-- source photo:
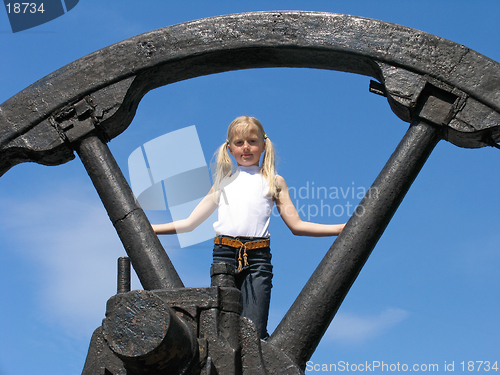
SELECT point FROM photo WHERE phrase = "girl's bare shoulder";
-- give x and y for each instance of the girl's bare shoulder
(280, 182)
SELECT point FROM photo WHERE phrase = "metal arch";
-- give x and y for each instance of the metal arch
(107, 85)
(444, 89)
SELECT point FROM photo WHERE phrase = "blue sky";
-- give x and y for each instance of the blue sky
(429, 292)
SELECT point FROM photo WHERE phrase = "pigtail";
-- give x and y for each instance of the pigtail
(268, 169)
(223, 167)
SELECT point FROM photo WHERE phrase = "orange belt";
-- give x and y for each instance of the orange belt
(243, 247)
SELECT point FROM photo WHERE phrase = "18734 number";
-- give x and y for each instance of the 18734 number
(24, 8)
(479, 365)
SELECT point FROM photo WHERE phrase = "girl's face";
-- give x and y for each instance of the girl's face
(247, 147)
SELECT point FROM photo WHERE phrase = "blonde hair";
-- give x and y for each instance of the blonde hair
(225, 165)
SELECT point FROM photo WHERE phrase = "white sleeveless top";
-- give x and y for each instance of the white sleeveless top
(245, 204)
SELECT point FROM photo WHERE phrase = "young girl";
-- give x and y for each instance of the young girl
(245, 200)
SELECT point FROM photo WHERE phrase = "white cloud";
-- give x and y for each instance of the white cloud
(67, 233)
(349, 328)
(76, 247)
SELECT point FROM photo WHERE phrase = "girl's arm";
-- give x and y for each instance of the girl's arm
(202, 212)
(293, 221)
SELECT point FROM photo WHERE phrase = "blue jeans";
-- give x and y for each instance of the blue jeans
(254, 281)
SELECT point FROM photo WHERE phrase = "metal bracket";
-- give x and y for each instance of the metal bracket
(462, 119)
(75, 121)
(437, 102)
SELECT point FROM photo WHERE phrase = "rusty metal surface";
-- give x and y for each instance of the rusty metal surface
(106, 86)
(331, 281)
(184, 331)
(150, 261)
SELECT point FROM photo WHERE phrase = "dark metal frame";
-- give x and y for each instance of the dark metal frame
(443, 89)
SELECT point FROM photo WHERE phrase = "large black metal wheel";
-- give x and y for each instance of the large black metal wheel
(444, 90)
